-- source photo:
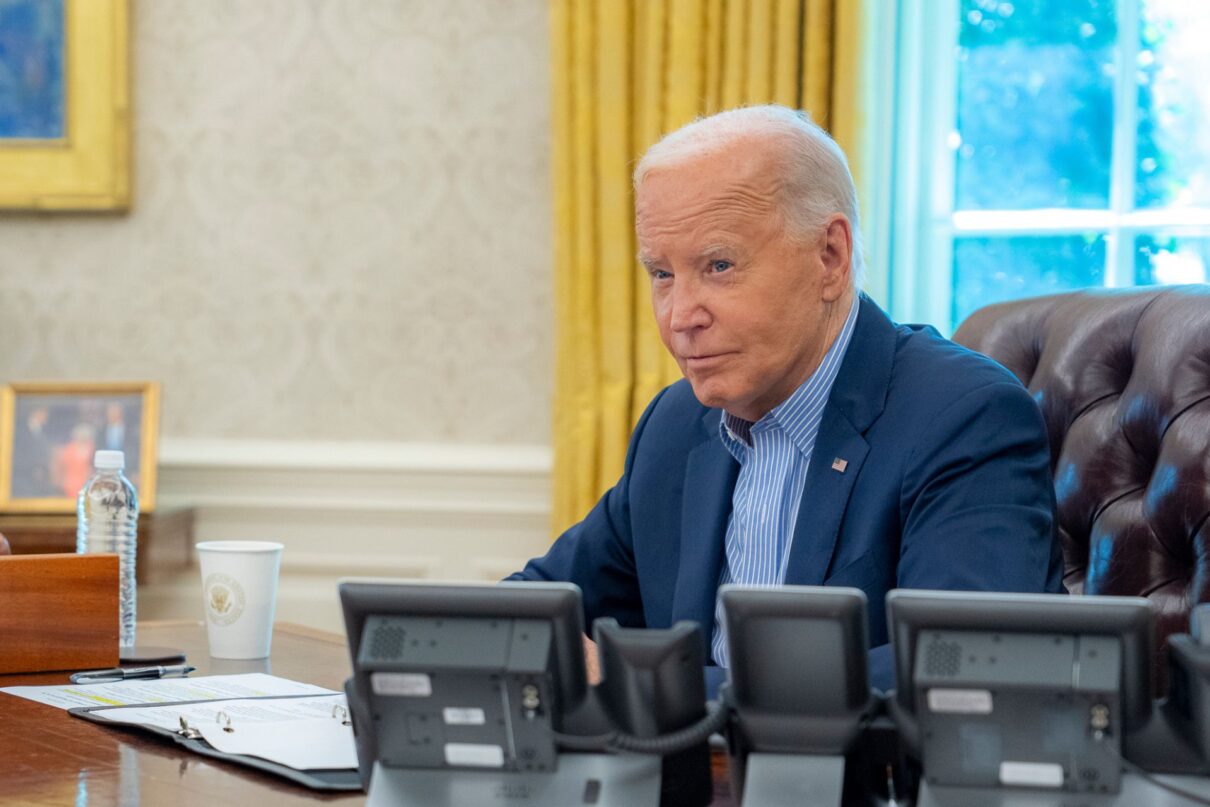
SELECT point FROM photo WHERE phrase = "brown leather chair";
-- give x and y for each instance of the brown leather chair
(1123, 381)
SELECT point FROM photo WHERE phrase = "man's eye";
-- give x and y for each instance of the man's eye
(660, 274)
(720, 266)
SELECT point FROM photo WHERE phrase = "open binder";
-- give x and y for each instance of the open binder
(280, 734)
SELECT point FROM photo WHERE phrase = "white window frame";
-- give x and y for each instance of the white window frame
(918, 240)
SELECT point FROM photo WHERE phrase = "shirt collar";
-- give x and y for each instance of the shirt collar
(800, 414)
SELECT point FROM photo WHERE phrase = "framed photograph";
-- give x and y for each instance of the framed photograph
(50, 430)
(64, 105)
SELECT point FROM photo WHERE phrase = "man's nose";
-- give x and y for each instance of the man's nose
(688, 308)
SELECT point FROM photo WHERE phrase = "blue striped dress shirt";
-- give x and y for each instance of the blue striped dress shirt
(774, 454)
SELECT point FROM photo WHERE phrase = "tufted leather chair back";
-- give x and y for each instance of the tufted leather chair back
(1123, 381)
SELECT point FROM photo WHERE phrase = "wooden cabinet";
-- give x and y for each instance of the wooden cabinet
(165, 539)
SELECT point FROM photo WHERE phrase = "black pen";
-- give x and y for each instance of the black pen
(127, 673)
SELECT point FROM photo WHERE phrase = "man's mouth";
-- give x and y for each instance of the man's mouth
(704, 360)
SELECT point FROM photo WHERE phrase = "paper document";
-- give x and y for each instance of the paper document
(304, 733)
(309, 743)
(240, 712)
(165, 690)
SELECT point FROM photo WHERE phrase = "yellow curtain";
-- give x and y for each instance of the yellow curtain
(623, 73)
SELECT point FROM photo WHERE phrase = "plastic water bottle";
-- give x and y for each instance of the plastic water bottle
(107, 521)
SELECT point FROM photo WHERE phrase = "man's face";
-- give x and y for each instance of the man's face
(747, 310)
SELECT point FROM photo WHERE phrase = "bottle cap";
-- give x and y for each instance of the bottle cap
(108, 460)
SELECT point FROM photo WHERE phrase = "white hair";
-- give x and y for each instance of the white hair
(817, 182)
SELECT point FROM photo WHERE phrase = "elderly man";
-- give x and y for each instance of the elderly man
(812, 440)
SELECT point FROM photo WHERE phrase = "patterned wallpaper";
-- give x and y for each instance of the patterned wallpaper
(341, 226)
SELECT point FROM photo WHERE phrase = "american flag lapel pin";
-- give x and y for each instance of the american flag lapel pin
(839, 465)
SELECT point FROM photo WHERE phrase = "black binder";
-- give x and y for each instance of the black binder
(335, 779)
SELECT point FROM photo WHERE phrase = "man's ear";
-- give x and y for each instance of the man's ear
(837, 258)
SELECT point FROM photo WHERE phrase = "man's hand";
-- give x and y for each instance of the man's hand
(591, 661)
(4, 547)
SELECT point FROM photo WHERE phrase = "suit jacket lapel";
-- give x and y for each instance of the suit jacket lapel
(857, 398)
(824, 499)
(710, 474)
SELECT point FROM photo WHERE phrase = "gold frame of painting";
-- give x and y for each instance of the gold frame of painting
(89, 169)
(95, 393)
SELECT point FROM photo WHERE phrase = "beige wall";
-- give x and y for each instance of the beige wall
(340, 228)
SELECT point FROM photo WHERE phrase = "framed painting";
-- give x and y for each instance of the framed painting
(64, 105)
(50, 430)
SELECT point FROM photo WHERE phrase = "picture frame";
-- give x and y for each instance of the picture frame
(50, 429)
(76, 55)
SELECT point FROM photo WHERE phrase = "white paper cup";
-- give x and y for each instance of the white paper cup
(239, 592)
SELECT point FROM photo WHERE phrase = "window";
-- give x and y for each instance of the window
(1047, 145)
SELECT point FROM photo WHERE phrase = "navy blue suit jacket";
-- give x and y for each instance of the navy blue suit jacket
(947, 486)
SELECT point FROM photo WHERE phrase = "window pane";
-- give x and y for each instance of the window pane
(1174, 104)
(1171, 259)
(1035, 103)
(990, 270)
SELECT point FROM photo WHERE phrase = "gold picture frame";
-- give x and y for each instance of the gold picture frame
(49, 429)
(89, 169)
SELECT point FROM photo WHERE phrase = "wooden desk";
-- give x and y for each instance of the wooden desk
(48, 757)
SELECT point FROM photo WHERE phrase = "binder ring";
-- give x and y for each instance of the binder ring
(225, 719)
(342, 714)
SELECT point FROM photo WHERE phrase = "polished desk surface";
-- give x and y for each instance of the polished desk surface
(48, 757)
